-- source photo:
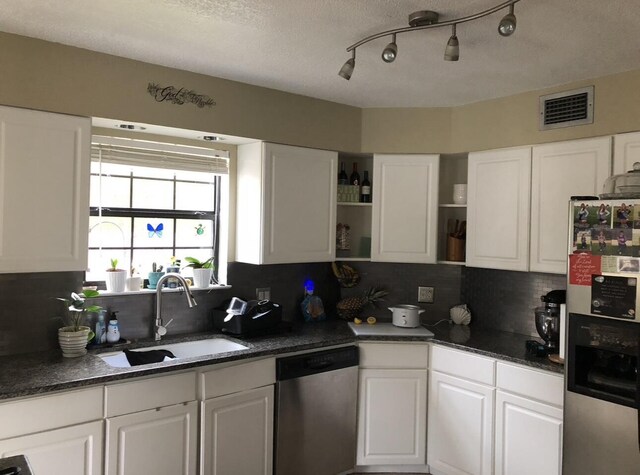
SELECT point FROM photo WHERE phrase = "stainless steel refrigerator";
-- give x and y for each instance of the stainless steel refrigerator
(602, 381)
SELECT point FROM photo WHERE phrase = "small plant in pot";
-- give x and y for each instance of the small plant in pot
(154, 275)
(202, 271)
(73, 337)
(116, 278)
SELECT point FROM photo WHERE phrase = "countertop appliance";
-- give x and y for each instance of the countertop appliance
(602, 384)
(547, 319)
(250, 318)
(316, 397)
(406, 315)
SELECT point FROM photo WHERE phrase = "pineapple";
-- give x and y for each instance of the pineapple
(351, 307)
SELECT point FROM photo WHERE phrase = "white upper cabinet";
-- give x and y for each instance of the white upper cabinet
(498, 203)
(44, 191)
(405, 208)
(559, 171)
(286, 204)
(626, 151)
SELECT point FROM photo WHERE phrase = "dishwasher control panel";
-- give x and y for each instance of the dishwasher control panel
(316, 362)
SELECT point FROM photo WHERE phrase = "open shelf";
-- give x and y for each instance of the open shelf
(451, 205)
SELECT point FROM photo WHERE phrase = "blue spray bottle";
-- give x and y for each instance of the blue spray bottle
(312, 307)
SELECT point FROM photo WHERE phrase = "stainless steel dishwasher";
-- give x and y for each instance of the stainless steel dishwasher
(316, 398)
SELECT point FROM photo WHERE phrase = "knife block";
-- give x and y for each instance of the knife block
(455, 248)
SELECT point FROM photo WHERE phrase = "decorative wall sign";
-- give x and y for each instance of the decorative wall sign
(179, 95)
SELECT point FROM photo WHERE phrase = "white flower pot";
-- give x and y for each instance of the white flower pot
(202, 277)
(116, 280)
(73, 343)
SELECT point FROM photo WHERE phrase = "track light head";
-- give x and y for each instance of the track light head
(452, 51)
(390, 52)
(507, 25)
(347, 68)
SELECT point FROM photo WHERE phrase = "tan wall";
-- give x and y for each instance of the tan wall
(49, 76)
(504, 122)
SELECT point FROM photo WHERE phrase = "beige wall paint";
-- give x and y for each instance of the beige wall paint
(504, 122)
(407, 130)
(50, 76)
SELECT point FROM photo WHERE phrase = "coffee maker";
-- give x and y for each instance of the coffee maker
(548, 319)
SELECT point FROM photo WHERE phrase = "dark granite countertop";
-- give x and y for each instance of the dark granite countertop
(36, 373)
(17, 462)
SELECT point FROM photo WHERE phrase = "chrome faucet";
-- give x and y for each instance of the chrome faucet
(160, 329)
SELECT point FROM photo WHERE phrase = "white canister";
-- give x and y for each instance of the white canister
(406, 315)
(134, 283)
(460, 193)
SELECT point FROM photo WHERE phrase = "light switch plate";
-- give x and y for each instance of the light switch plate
(263, 293)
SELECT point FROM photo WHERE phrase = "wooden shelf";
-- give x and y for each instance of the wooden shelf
(453, 263)
(451, 205)
(353, 259)
(347, 203)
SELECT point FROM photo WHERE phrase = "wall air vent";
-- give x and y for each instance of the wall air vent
(566, 109)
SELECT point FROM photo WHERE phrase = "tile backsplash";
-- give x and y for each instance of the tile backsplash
(498, 299)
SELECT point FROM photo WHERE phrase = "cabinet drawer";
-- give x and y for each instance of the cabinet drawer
(463, 364)
(241, 377)
(394, 355)
(27, 416)
(533, 384)
(151, 393)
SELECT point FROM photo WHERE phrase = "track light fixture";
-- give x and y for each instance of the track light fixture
(390, 52)
(426, 19)
(508, 23)
(452, 51)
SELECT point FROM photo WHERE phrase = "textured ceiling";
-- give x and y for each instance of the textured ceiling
(299, 45)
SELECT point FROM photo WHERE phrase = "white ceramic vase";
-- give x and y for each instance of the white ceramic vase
(116, 280)
(202, 277)
(73, 343)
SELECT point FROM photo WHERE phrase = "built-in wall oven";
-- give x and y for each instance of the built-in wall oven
(602, 420)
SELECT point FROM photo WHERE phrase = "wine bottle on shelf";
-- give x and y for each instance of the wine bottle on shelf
(354, 179)
(365, 190)
(343, 179)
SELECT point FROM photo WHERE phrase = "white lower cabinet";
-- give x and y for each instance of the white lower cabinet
(528, 436)
(237, 433)
(392, 407)
(159, 441)
(460, 426)
(73, 450)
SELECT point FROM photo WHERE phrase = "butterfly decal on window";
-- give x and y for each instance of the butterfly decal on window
(157, 230)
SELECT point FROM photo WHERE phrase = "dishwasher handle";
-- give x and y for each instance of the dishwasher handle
(317, 362)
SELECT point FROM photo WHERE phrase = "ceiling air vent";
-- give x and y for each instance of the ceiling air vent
(566, 109)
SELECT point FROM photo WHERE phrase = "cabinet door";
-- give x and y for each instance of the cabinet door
(460, 426)
(626, 151)
(559, 171)
(161, 441)
(73, 450)
(498, 209)
(44, 191)
(405, 208)
(286, 204)
(237, 433)
(528, 436)
(392, 417)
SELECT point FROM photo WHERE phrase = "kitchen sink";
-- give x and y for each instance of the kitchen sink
(188, 349)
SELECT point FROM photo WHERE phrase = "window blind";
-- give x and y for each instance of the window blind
(141, 153)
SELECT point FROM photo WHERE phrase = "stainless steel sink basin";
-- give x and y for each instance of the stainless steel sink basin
(188, 349)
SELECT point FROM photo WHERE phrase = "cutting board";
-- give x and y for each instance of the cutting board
(387, 329)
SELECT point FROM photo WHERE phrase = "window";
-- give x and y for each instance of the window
(151, 202)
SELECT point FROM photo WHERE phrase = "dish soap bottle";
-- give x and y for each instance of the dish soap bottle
(312, 307)
(113, 332)
(101, 328)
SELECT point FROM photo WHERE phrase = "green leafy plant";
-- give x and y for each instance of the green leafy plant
(114, 266)
(77, 310)
(197, 264)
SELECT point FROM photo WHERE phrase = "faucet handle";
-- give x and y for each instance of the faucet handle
(162, 329)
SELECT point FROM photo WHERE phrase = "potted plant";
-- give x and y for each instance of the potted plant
(202, 271)
(154, 275)
(116, 278)
(73, 337)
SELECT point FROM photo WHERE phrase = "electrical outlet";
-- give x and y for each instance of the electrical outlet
(263, 293)
(425, 294)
